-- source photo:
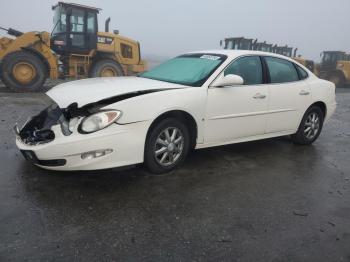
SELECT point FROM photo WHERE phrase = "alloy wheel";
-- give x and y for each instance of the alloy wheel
(168, 146)
(312, 126)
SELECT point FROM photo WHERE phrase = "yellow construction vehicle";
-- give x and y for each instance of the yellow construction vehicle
(74, 49)
(335, 67)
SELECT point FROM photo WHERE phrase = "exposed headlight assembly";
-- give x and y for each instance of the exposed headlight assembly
(99, 121)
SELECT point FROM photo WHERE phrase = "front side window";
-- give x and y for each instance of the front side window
(190, 69)
(281, 71)
(249, 68)
(59, 21)
(302, 73)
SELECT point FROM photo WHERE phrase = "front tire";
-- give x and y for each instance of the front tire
(23, 72)
(167, 146)
(310, 126)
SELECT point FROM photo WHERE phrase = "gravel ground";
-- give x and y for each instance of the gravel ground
(268, 200)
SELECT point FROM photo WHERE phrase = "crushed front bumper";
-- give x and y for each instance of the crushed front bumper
(46, 141)
(126, 143)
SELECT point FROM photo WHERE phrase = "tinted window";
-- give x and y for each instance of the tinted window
(302, 73)
(249, 68)
(281, 71)
(77, 21)
(91, 26)
(59, 20)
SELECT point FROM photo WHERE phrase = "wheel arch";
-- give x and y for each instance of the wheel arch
(322, 105)
(184, 117)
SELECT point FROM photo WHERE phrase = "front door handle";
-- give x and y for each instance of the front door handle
(304, 93)
(259, 96)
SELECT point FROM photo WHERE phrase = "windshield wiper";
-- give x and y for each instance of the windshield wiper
(58, 21)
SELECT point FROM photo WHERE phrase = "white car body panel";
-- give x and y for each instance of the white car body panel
(223, 115)
(287, 105)
(91, 90)
(230, 107)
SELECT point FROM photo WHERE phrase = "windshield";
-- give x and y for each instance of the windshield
(191, 69)
(59, 20)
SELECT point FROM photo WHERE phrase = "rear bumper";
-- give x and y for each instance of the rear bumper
(64, 153)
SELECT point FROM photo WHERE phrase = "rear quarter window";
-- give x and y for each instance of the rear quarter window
(281, 71)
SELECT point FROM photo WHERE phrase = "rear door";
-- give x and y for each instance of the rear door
(289, 95)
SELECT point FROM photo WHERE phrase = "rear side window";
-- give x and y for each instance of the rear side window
(249, 68)
(281, 71)
(302, 73)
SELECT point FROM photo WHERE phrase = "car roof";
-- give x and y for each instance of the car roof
(232, 54)
(235, 53)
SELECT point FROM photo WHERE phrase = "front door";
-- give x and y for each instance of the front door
(77, 36)
(235, 112)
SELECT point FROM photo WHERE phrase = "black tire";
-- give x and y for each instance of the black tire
(30, 61)
(301, 136)
(106, 64)
(150, 159)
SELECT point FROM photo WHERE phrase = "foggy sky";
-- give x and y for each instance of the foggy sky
(168, 28)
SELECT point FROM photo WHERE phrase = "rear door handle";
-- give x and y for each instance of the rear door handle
(259, 96)
(304, 93)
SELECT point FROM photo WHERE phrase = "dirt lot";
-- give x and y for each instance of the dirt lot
(259, 201)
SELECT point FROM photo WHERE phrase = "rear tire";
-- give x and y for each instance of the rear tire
(23, 72)
(164, 150)
(310, 127)
(106, 68)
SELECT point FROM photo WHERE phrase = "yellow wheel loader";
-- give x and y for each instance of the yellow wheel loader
(74, 49)
(335, 67)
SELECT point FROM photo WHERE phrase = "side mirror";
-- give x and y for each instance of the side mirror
(228, 80)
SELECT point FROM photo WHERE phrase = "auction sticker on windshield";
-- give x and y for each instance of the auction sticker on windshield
(210, 57)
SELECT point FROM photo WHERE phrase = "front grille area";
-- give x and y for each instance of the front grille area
(38, 129)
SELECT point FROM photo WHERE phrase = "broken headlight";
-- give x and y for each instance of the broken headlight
(99, 121)
(73, 123)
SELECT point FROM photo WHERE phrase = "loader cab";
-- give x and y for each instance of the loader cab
(238, 43)
(74, 29)
(330, 58)
(283, 50)
(262, 46)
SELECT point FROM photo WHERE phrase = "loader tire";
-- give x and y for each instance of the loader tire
(106, 68)
(23, 72)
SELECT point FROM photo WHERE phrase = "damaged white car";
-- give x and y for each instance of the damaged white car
(196, 100)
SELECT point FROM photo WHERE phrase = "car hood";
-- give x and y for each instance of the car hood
(92, 90)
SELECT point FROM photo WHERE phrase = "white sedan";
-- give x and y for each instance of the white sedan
(196, 100)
